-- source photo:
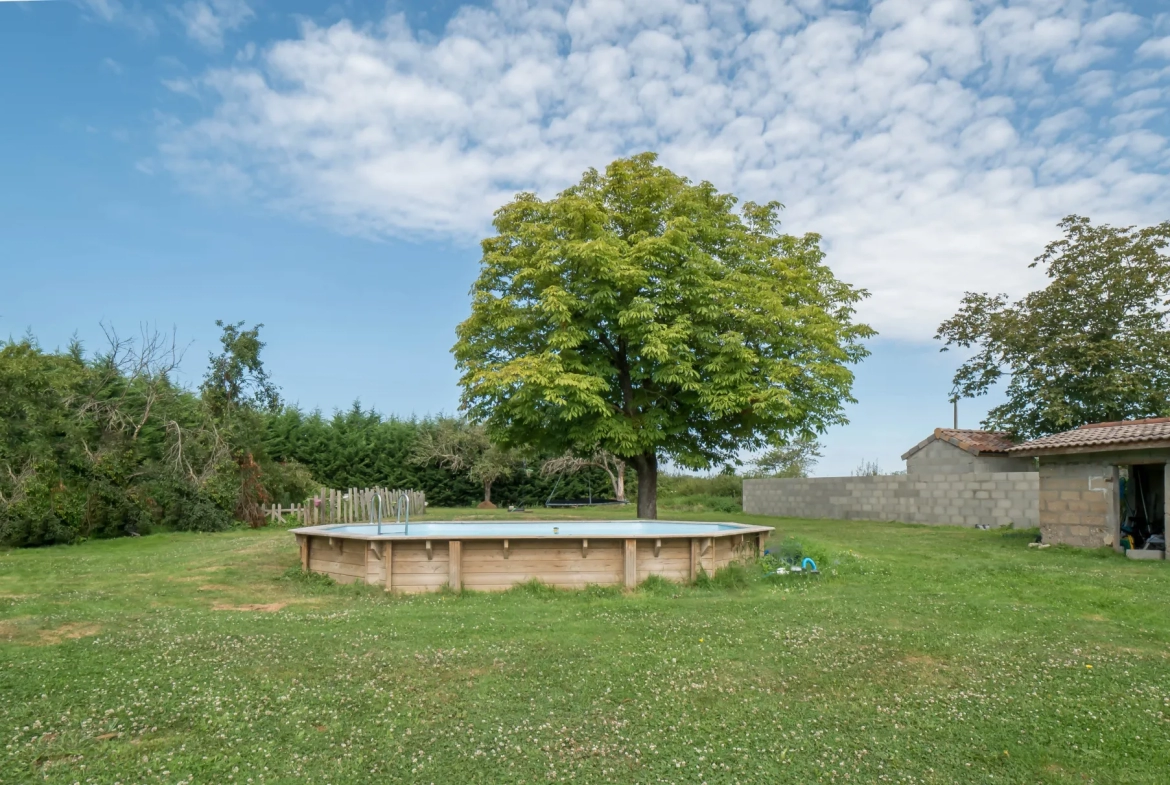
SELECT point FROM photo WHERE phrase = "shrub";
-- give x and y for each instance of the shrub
(34, 527)
(289, 482)
(701, 503)
(726, 485)
(111, 512)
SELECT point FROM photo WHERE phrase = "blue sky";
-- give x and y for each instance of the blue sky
(327, 168)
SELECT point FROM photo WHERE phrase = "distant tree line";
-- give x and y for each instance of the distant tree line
(361, 448)
(107, 444)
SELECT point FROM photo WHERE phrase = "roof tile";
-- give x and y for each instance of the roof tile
(1102, 435)
(973, 441)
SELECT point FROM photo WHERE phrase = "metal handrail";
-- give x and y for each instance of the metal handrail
(378, 519)
(404, 499)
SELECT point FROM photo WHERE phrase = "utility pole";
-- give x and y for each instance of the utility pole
(955, 401)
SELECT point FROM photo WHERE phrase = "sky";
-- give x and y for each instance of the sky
(328, 168)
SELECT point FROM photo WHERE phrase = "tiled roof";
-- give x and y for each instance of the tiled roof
(974, 442)
(1101, 436)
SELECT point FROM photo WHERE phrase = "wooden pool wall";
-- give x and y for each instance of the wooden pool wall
(496, 565)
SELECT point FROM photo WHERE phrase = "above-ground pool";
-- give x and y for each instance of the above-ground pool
(495, 555)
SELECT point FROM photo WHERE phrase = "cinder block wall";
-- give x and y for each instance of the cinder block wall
(996, 499)
(1074, 503)
(942, 458)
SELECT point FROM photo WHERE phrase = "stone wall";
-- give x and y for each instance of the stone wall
(967, 499)
(1076, 501)
(941, 457)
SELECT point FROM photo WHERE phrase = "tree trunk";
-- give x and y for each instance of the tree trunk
(620, 483)
(647, 468)
(486, 504)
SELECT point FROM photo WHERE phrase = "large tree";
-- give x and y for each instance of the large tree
(1092, 346)
(642, 314)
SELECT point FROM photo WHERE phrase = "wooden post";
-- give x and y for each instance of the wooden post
(630, 571)
(305, 542)
(1113, 511)
(366, 562)
(455, 565)
(387, 561)
(694, 559)
(1165, 506)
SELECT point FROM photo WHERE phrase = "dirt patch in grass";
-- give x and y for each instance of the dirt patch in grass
(9, 629)
(271, 607)
(22, 631)
(68, 632)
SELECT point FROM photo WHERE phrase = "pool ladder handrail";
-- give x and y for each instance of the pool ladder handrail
(404, 499)
(378, 517)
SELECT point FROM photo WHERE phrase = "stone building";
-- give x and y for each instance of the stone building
(957, 451)
(1103, 483)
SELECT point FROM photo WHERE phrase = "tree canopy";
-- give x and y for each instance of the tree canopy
(1092, 346)
(642, 314)
(461, 446)
(790, 460)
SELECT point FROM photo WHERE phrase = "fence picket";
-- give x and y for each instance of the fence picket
(355, 505)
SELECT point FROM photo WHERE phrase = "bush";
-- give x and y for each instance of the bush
(676, 485)
(288, 482)
(111, 512)
(701, 503)
(34, 528)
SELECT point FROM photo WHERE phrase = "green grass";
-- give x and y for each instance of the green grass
(926, 655)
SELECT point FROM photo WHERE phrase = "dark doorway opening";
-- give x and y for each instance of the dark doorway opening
(1143, 500)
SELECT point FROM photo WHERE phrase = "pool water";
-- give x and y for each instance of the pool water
(455, 530)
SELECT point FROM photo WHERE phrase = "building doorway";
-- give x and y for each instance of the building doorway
(1143, 506)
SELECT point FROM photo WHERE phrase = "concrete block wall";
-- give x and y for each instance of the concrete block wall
(940, 457)
(1075, 501)
(963, 499)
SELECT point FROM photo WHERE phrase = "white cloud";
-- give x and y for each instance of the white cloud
(207, 21)
(1155, 47)
(116, 12)
(934, 143)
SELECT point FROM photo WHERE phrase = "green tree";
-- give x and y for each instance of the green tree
(460, 446)
(645, 315)
(236, 378)
(1092, 346)
(789, 460)
(238, 393)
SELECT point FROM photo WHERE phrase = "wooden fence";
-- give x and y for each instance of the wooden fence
(352, 505)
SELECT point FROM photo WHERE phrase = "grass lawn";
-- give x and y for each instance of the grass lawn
(928, 655)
